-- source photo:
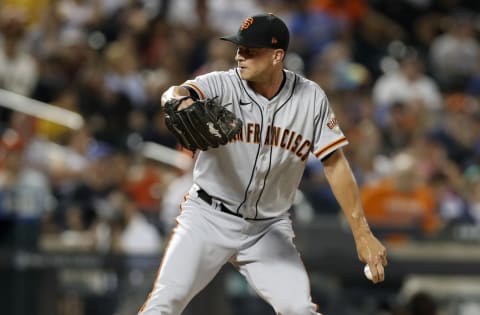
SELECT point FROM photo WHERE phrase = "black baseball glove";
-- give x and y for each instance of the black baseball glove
(203, 125)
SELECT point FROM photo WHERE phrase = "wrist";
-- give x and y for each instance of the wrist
(360, 228)
(361, 233)
(173, 92)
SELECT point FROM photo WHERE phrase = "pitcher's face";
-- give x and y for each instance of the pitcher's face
(255, 64)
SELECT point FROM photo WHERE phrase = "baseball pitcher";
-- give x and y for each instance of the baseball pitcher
(253, 128)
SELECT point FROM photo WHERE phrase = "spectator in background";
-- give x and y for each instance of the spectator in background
(351, 11)
(73, 235)
(33, 8)
(105, 111)
(156, 44)
(64, 163)
(401, 202)
(123, 74)
(73, 51)
(18, 69)
(313, 27)
(187, 50)
(62, 57)
(451, 206)
(92, 190)
(78, 14)
(400, 127)
(43, 36)
(185, 53)
(25, 194)
(336, 72)
(407, 103)
(432, 158)
(372, 33)
(219, 15)
(22, 124)
(133, 234)
(454, 53)
(66, 99)
(444, 177)
(219, 57)
(408, 84)
(458, 131)
(143, 182)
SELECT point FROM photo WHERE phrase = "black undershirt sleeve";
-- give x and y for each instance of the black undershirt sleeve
(327, 156)
(192, 92)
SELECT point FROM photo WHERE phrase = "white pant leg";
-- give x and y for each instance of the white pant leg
(273, 267)
(190, 262)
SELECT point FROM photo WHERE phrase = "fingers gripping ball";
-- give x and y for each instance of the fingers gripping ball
(367, 272)
(204, 124)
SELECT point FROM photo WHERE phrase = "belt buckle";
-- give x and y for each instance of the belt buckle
(216, 204)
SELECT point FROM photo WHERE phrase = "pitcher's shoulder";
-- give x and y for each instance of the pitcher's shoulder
(307, 86)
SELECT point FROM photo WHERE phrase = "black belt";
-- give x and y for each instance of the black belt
(202, 194)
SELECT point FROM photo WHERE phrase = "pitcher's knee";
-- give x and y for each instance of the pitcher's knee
(165, 300)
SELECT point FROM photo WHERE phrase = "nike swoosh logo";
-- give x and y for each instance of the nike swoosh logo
(244, 103)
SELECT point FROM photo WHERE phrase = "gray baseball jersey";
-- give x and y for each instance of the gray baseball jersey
(257, 174)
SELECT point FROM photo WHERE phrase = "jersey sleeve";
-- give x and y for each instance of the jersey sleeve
(205, 86)
(328, 136)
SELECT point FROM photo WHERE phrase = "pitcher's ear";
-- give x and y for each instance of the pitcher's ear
(279, 55)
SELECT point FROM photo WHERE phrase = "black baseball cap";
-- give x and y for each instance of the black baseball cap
(258, 31)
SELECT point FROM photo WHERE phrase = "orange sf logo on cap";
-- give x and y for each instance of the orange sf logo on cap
(246, 24)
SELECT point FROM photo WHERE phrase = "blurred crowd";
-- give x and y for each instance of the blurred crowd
(403, 77)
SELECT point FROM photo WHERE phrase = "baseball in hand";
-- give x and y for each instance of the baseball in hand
(367, 272)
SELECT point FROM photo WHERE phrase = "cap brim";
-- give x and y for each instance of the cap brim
(240, 41)
(231, 38)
